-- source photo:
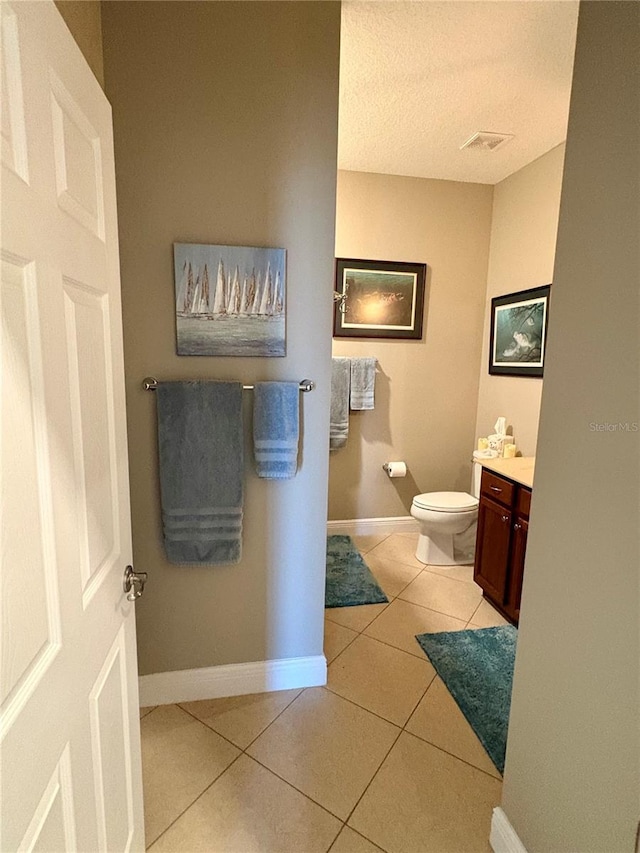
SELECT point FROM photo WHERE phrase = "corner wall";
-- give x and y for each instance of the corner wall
(225, 121)
(84, 20)
(426, 391)
(523, 244)
(572, 779)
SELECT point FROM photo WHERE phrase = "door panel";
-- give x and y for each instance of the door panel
(87, 337)
(492, 551)
(109, 705)
(78, 160)
(31, 617)
(69, 726)
(518, 552)
(14, 140)
(53, 826)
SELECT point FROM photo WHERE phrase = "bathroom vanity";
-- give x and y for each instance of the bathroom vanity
(503, 522)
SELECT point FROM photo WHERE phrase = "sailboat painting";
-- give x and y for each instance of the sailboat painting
(230, 300)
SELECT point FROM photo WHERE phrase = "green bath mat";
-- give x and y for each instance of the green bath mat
(477, 667)
(349, 579)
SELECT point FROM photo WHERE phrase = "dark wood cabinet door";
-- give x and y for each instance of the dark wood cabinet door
(518, 549)
(492, 550)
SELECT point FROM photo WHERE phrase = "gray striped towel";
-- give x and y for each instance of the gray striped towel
(363, 383)
(200, 446)
(339, 422)
(275, 429)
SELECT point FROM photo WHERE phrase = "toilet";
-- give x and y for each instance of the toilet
(448, 522)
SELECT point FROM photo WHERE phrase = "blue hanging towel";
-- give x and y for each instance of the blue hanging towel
(339, 418)
(276, 427)
(363, 383)
(200, 447)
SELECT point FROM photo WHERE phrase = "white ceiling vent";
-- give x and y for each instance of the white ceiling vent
(486, 141)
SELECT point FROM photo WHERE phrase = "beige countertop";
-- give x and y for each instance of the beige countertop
(520, 468)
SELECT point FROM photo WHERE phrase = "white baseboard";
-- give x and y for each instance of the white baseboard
(214, 682)
(369, 526)
(503, 838)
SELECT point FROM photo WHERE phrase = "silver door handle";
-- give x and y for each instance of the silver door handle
(133, 583)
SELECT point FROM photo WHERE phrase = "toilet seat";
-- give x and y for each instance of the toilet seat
(446, 501)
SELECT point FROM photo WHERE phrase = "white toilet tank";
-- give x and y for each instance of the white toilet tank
(476, 476)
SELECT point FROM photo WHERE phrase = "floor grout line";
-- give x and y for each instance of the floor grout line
(261, 732)
(344, 822)
(359, 631)
(398, 596)
(442, 575)
(400, 728)
(372, 778)
(384, 642)
(476, 610)
(333, 660)
(362, 707)
(194, 801)
(253, 758)
(423, 656)
(453, 755)
(426, 690)
(206, 725)
(291, 785)
(330, 847)
(288, 705)
(424, 607)
(357, 832)
(148, 713)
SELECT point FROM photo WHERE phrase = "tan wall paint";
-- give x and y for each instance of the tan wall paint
(523, 242)
(84, 19)
(426, 391)
(225, 119)
(572, 776)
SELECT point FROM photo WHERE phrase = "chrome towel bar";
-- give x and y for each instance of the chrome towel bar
(150, 383)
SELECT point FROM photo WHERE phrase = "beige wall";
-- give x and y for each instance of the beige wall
(225, 118)
(572, 778)
(84, 19)
(523, 243)
(426, 391)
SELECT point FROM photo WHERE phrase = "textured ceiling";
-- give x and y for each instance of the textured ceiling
(417, 79)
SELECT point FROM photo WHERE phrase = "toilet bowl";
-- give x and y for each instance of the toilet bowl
(448, 522)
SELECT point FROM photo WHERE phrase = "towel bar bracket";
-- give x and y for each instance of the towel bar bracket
(150, 383)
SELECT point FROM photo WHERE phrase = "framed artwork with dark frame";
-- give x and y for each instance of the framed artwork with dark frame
(379, 299)
(519, 332)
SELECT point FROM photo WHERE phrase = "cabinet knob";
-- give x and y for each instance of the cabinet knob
(517, 526)
(495, 489)
(505, 518)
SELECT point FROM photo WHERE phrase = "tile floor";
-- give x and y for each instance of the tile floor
(379, 759)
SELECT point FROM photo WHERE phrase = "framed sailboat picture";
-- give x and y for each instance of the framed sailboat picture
(230, 300)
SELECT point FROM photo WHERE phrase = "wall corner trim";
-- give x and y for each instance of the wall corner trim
(503, 838)
(236, 679)
(372, 526)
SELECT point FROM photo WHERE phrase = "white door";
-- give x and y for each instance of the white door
(71, 778)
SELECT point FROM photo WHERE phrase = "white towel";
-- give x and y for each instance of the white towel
(363, 383)
(340, 380)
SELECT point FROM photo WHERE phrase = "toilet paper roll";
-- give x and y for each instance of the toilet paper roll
(395, 469)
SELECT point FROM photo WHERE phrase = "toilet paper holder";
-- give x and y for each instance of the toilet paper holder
(395, 469)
